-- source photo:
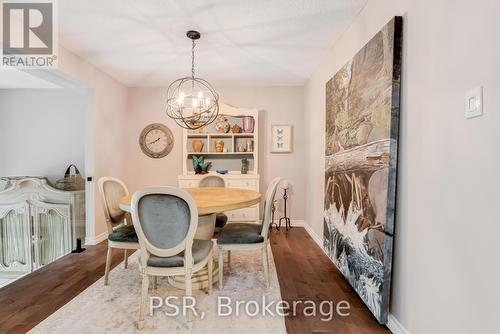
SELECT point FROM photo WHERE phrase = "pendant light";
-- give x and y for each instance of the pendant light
(192, 102)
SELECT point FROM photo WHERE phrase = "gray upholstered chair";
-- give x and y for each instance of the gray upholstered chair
(121, 232)
(247, 236)
(166, 219)
(219, 182)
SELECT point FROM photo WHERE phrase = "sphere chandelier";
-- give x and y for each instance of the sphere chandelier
(192, 102)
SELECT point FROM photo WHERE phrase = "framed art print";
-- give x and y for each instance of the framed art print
(281, 136)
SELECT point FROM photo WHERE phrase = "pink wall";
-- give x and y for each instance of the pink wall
(278, 105)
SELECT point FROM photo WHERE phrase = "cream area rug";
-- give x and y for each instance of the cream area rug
(115, 308)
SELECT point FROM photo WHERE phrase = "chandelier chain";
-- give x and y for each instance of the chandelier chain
(192, 60)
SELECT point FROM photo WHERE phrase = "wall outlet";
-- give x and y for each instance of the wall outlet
(474, 102)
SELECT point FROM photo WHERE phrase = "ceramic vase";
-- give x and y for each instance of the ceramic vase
(244, 166)
(248, 124)
(197, 145)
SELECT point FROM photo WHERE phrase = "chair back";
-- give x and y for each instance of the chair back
(112, 190)
(268, 204)
(212, 181)
(165, 220)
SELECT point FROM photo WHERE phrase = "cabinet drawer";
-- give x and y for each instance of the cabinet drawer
(188, 183)
(243, 184)
(245, 214)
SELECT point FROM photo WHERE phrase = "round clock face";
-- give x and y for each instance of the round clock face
(156, 140)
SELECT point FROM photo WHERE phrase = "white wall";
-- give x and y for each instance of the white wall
(278, 105)
(106, 136)
(445, 255)
(42, 131)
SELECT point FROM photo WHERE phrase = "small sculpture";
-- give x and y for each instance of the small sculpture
(219, 146)
(201, 166)
(244, 166)
(221, 124)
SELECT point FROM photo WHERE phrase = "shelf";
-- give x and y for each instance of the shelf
(219, 135)
(220, 153)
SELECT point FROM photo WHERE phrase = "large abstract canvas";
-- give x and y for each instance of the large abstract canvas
(362, 118)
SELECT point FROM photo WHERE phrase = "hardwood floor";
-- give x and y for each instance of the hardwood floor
(304, 273)
(29, 300)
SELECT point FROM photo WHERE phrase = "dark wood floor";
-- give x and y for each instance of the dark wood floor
(29, 300)
(304, 273)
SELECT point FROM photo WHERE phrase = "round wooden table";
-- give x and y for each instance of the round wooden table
(209, 201)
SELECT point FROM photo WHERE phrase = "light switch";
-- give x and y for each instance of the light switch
(474, 102)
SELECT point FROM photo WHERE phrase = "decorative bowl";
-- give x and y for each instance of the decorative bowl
(221, 171)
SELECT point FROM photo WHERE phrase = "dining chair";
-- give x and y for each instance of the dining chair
(121, 232)
(217, 182)
(248, 236)
(166, 219)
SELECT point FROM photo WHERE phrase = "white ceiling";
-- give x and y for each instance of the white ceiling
(244, 42)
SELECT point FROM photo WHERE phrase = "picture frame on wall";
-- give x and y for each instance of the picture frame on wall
(281, 138)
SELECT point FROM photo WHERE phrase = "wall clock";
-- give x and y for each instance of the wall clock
(156, 140)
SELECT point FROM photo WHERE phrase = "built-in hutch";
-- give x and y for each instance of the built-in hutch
(236, 146)
(38, 224)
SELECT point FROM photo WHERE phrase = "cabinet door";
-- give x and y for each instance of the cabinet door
(243, 184)
(52, 232)
(15, 238)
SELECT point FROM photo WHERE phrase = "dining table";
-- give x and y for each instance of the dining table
(209, 201)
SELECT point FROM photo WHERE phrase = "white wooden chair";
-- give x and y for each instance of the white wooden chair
(217, 182)
(166, 219)
(247, 236)
(121, 232)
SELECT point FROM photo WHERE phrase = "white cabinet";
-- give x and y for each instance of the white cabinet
(38, 224)
(229, 159)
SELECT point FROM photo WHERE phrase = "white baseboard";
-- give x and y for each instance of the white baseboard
(392, 323)
(89, 241)
(395, 326)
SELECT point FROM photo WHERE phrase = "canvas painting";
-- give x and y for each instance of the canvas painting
(362, 121)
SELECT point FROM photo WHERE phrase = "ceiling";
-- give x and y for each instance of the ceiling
(243, 43)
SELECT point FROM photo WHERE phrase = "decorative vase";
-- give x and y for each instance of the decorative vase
(244, 166)
(236, 128)
(197, 145)
(249, 145)
(219, 146)
(221, 124)
(248, 124)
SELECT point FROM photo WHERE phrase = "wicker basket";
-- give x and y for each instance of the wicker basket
(71, 181)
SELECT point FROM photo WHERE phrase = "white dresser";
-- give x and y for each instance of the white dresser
(230, 159)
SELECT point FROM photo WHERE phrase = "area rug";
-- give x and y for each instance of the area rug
(115, 308)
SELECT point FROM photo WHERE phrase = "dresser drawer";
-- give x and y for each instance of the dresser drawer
(188, 183)
(244, 215)
(243, 184)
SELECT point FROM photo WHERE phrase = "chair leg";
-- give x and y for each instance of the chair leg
(265, 264)
(143, 303)
(210, 273)
(125, 258)
(108, 265)
(155, 282)
(228, 256)
(221, 267)
(189, 293)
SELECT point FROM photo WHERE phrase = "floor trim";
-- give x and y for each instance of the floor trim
(392, 323)
(97, 239)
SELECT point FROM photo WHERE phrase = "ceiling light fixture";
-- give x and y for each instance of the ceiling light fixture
(192, 102)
